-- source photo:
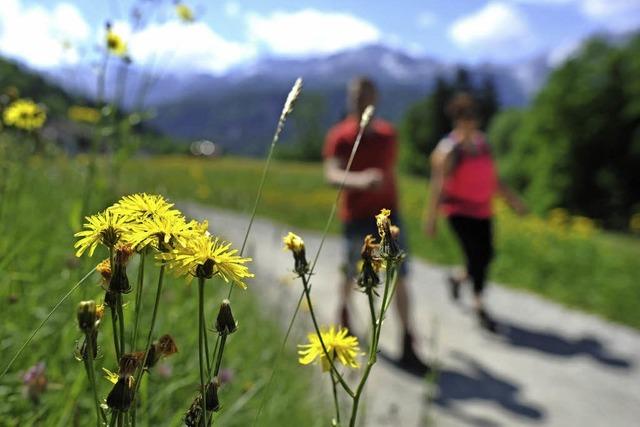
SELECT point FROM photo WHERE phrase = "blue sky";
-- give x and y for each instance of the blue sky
(230, 33)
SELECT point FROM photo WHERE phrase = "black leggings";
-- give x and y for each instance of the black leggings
(476, 238)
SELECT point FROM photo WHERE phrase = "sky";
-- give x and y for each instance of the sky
(52, 33)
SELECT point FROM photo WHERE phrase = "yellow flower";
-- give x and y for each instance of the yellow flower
(339, 344)
(204, 256)
(163, 232)
(112, 377)
(105, 227)
(24, 114)
(293, 242)
(140, 206)
(78, 113)
(184, 12)
(115, 44)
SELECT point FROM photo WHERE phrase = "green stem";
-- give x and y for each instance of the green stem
(114, 324)
(121, 321)
(324, 348)
(140, 370)
(88, 364)
(114, 418)
(201, 332)
(375, 337)
(206, 345)
(139, 285)
(335, 397)
(37, 329)
(223, 340)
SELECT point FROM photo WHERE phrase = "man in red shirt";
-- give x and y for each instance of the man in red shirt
(370, 186)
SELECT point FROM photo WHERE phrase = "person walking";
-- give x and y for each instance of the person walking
(464, 181)
(369, 186)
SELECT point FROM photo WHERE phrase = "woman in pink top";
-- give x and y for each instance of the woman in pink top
(463, 182)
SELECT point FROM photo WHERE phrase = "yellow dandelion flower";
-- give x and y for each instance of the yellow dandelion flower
(162, 232)
(293, 242)
(184, 12)
(24, 114)
(78, 113)
(140, 206)
(204, 256)
(115, 44)
(105, 227)
(339, 344)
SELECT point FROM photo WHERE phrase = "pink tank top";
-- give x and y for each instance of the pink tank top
(470, 186)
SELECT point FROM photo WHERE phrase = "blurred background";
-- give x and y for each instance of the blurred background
(183, 98)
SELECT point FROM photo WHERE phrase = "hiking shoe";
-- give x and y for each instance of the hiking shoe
(486, 322)
(454, 288)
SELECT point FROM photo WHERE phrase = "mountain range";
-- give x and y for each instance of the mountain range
(239, 109)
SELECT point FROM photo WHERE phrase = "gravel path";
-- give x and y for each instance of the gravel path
(548, 365)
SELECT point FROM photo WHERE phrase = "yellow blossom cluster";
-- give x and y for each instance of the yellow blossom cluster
(24, 114)
(150, 221)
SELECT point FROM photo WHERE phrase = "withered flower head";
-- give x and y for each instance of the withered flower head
(388, 246)
(121, 395)
(165, 346)
(87, 316)
(129, 362)
(211, 391)
(368, 278)
(104, 268)
(225, 323)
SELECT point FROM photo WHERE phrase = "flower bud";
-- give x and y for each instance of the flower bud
(225, 323)
(295, 244)
(212, 403)
(87, 316)
(121, 395)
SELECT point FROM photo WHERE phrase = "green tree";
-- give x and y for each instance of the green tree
(307, 130)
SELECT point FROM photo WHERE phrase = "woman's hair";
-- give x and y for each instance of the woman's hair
(462, 106)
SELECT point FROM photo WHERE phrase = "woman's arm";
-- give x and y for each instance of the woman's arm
(440, 163)
(513, 200)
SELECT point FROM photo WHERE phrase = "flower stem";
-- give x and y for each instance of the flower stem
(88, 364)
(223, 340)
(140, 371)
(139, 285)
(335, 397)
(35, 331)
(114, 324)
(201, 332)
(121, 321)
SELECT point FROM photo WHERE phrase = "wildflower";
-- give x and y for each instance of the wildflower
(119, 282)
(115, 44)
(295, 244)
(35, 382)
(104, 268)
(105, 227)
(371, 264)
(121, 395)
(87, 316)
(203, 256)
(81, 114)
(339, 345)
(388, 246)
(140, 206)
(164, 347)
(163, 232)
(24, 114)
(225, 323)
(184, 12)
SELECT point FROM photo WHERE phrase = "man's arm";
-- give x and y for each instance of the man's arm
(368, 179)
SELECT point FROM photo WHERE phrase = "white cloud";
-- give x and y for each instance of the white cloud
(497, 30)
(39, 36)
(187, 47)
(563, 51)
(426, 19)
(616, 15)
(231, 8)
(310, 31)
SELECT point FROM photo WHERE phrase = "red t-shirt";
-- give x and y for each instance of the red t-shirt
(378, 149)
